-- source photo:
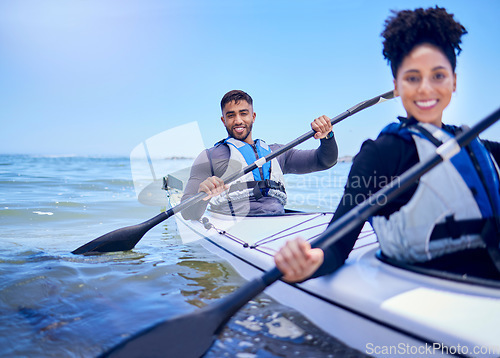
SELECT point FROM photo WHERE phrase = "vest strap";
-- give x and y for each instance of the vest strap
(455, 229)
(257, 187)
(491, 236)
(428, 135)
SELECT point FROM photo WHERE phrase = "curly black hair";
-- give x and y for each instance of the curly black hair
(409, 28)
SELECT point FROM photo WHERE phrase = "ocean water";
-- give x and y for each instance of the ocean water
(56, 304)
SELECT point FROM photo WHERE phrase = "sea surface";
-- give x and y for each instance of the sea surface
(56, 304)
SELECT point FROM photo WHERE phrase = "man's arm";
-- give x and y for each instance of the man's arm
(206, 173)
(297, 161)
(307, 161)
(200, 171)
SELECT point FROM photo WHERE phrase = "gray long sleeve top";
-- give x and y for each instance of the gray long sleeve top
(294, 161)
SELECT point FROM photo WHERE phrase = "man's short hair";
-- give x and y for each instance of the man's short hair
(236, 96)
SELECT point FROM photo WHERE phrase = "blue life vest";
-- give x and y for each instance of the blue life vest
(451, 205)
(249, 154)
(268, 180)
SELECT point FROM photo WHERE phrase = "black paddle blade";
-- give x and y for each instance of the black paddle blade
(123, 239)
(187, 336)
(191, 335)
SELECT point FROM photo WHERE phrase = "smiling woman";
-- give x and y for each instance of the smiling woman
(453, 212)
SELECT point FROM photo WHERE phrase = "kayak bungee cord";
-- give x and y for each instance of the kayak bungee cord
(268, 239)
(286, 232)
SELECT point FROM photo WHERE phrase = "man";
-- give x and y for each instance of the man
(262, 191)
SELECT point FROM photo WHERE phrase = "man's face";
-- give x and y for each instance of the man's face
(238, 119)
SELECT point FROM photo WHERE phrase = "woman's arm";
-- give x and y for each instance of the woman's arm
(377, 163)
(493, 148)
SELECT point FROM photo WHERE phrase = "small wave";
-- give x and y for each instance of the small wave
(78, 156)
(43, 213)
(69, 204)
(55, 156)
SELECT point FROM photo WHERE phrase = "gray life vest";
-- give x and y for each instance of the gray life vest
(443, 199)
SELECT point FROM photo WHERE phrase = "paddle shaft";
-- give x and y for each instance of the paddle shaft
(126, 238)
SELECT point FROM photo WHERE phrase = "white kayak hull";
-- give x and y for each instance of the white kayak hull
(374, 307)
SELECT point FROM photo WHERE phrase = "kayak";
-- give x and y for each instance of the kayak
(370, 304)
(380, 307)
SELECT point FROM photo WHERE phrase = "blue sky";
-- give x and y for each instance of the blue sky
(97, 77)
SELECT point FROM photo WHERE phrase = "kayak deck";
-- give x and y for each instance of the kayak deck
(366, 301)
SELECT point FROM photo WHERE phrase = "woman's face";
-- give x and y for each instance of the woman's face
(425, 82)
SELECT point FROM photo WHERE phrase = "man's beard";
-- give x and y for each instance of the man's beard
(241, 136)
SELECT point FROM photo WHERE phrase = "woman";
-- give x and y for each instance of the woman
(446, 220)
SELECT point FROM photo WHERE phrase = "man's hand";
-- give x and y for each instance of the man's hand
(213, 186)
(297, 260)
(322, 126)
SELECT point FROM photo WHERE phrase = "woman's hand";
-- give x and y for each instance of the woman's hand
(297, 260)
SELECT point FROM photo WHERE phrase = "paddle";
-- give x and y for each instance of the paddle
(126, 238)
(173, 338)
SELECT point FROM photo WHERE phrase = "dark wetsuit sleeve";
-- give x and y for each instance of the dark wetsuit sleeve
(493, 148)
(377, 164)
(296, 161)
